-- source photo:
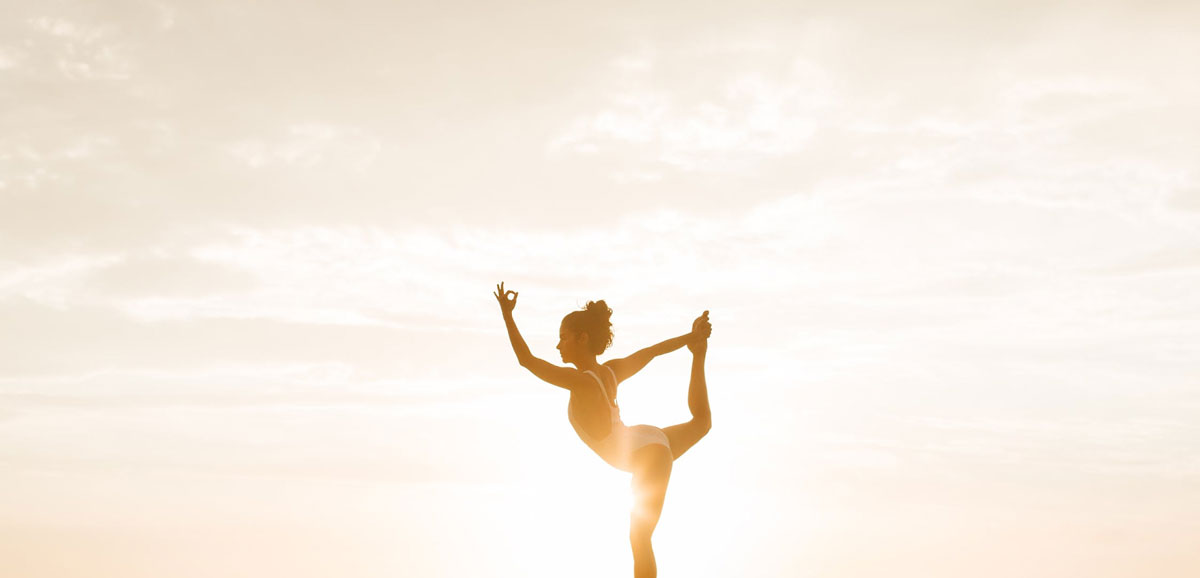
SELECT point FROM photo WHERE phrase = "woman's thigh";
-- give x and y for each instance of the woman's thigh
(685, 435)
(651, 474)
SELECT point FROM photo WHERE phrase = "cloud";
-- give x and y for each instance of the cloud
(164, 276)
(81, 51)
(1076, 447)
(365, 442)
(900, 214)
(52, 281)
(798, 245)
(311, 144)
(251, 383)
(1186, 198)
(9, 58)
(743, 115)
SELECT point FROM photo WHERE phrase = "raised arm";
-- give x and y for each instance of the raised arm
(626, 367)
(563, 377)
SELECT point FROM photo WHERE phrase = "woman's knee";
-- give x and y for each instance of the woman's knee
(648, 501)
(640, 535)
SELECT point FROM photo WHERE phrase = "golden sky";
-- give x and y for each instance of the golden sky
(247, 250)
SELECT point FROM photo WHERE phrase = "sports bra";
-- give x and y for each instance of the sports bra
(613, 411)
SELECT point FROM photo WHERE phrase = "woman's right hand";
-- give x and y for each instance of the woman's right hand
(506, 304)
(701, 330)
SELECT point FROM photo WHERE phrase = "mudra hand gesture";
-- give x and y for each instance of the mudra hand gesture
(506, 304)
(701, 330)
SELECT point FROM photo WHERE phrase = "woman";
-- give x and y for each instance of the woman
(645, 451)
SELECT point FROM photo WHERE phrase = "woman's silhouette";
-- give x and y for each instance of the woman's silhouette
(645, 451)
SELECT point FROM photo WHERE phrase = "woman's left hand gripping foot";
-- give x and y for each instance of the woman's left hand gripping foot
(701, 330)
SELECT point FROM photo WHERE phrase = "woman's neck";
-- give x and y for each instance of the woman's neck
(586, 364)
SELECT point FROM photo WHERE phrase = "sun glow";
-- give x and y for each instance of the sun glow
(564, 510)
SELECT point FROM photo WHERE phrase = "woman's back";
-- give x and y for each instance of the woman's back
(592, 411)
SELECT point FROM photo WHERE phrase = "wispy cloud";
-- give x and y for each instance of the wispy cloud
(82, 51)
(308, 145)
(738, 119)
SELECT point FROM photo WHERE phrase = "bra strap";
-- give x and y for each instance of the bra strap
(600, 382)
(612, 373)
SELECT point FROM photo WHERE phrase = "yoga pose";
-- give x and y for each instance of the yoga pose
(643, 450)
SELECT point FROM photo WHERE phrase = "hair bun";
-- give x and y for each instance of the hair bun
(599, 309)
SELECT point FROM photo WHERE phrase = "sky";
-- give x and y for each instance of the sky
(247, 250)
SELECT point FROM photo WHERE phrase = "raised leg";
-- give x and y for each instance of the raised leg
(651, 473)
(685, 435)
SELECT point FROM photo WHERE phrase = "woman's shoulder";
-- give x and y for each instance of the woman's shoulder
(611, 372)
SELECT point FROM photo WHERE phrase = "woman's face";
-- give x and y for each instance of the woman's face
(569, 343)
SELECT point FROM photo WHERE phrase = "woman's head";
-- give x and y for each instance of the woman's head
(586, 331)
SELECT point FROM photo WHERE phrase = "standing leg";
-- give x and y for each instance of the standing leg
(651, 472)
(685, 435)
